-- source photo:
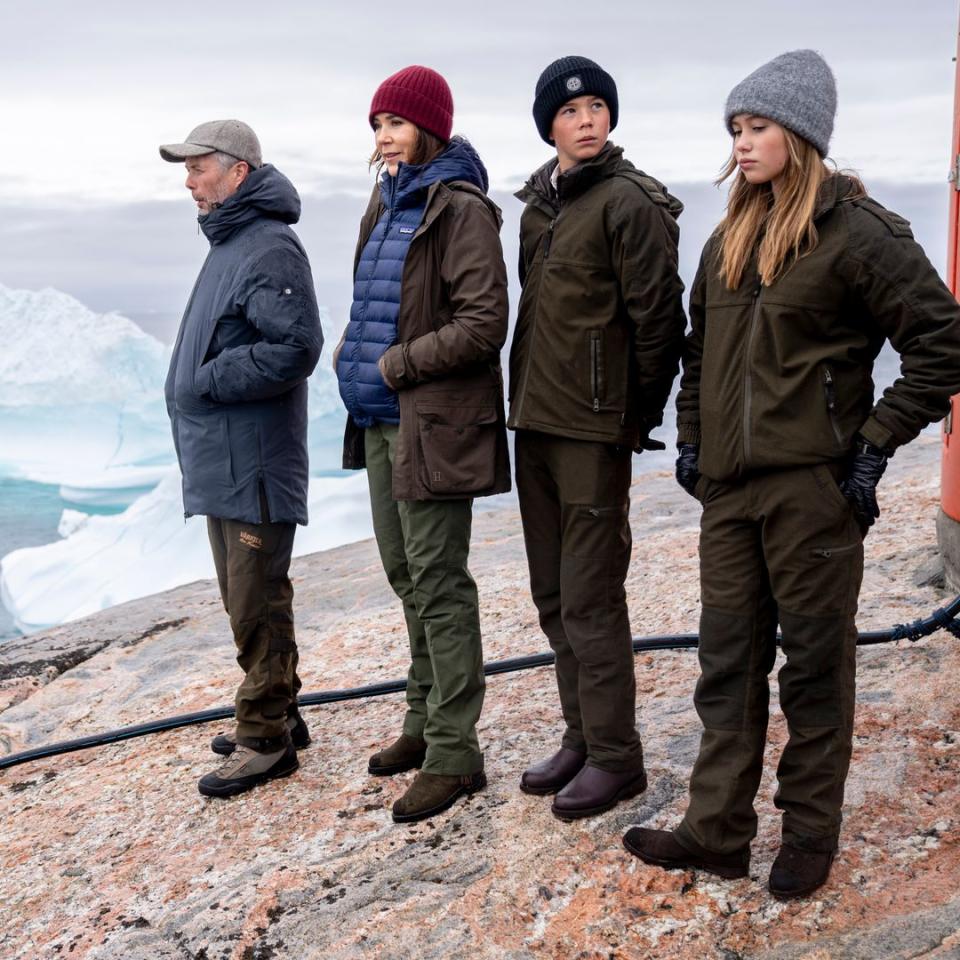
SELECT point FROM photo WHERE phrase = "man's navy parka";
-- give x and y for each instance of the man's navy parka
(236, 391)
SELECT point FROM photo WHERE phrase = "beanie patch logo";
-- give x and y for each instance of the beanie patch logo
(574, 84)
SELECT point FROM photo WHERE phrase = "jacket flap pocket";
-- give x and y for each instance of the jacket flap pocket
(450, 414)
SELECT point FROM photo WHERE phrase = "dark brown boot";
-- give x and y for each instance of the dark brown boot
(405, 753)
(663, 849)
(593, 791)
(552, 774)
(795, 872)
(432, 793)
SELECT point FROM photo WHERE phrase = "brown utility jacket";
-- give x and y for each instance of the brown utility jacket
(781, 375)
(446, 364)
(600, 327)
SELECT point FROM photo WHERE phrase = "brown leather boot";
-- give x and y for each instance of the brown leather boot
(405, 753)
(593, 791)
(432, 793)
(663, 849)
(796, 872)
(552, 774)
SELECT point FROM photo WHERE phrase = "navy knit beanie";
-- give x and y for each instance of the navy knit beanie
(565, 79)
(797, 90)
(417, 94)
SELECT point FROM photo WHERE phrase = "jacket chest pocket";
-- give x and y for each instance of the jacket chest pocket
(457, 447)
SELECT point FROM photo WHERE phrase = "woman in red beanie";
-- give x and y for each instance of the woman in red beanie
(419, 374)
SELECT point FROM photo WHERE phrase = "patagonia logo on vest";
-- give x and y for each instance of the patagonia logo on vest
(408, 229)
(250, 540)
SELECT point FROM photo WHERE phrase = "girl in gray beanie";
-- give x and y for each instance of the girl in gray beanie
(781, 441)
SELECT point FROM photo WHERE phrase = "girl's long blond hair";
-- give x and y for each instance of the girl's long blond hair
(780, 231)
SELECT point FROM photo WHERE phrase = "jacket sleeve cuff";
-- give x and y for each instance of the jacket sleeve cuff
(874, 432)
(394, 367)
(688, 433)
(204, 381)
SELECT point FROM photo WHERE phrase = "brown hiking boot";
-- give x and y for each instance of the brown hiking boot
(225, 743)
(245, 768)
(432, 793)
(663, 849)
(405, 753)
(796, 872)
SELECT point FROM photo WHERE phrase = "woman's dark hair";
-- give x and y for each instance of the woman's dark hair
(425, 149)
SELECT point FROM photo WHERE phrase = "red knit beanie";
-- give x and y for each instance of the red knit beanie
(417, 94)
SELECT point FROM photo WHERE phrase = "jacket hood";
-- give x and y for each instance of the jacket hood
(265, 193)
(458, 161)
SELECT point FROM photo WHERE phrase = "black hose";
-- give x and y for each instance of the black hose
(942, 618)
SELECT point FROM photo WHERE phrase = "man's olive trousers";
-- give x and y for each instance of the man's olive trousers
(781, 546)
(252, 561)
(424, 546)
(575, 504)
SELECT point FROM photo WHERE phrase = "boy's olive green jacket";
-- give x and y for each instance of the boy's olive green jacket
(781, 375)
(600, 326)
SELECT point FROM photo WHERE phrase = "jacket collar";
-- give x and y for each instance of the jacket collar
(539, 191)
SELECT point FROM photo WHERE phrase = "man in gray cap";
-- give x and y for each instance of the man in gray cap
(236, 394)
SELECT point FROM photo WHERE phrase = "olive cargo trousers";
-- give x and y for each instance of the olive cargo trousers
(252, 562)
(424, 546)
(782, 546)
(574, 504)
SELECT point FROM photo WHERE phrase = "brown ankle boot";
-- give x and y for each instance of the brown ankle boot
(796, 872)
(663, 849)
(432, 793)
(405, 753)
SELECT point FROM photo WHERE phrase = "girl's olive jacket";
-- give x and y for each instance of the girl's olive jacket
(445, 367)
(781, 375)
(600, 327)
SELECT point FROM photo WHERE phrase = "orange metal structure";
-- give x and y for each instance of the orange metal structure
(950, 468)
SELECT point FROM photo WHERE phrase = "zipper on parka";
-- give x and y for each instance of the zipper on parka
(548, 238)
(747, 380)
(830, 391)
(595, 369)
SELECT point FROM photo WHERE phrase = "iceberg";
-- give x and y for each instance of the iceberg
(149, 548)
(81, 400)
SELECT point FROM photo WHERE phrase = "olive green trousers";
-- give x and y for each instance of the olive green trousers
(424, 546)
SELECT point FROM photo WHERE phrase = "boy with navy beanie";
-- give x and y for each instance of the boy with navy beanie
(595, 352)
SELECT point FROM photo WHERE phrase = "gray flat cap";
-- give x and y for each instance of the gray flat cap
(225, 136)
(797, 90)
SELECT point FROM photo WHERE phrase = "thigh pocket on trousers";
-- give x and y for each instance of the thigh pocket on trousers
(458, 446)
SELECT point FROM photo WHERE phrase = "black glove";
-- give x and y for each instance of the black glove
(687, 472)
(860, 485)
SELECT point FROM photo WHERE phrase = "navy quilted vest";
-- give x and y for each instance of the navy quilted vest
(376, 287)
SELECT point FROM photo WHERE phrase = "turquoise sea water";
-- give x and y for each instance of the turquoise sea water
(29, 515)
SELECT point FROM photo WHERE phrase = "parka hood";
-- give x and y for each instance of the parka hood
(458, 161)
(265, 193)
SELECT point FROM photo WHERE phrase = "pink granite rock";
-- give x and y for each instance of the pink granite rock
(112, 853)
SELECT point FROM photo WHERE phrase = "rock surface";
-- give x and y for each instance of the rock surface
(112, 853)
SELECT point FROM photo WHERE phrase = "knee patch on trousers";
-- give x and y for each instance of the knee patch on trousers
(724, 651)
(816, 682)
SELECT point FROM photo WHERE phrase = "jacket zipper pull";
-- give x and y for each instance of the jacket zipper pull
(831, 394)
(548, 239)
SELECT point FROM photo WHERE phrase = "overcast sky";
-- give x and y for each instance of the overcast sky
(89, 89)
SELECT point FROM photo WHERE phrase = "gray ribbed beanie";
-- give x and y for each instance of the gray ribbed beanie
(797, 89)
